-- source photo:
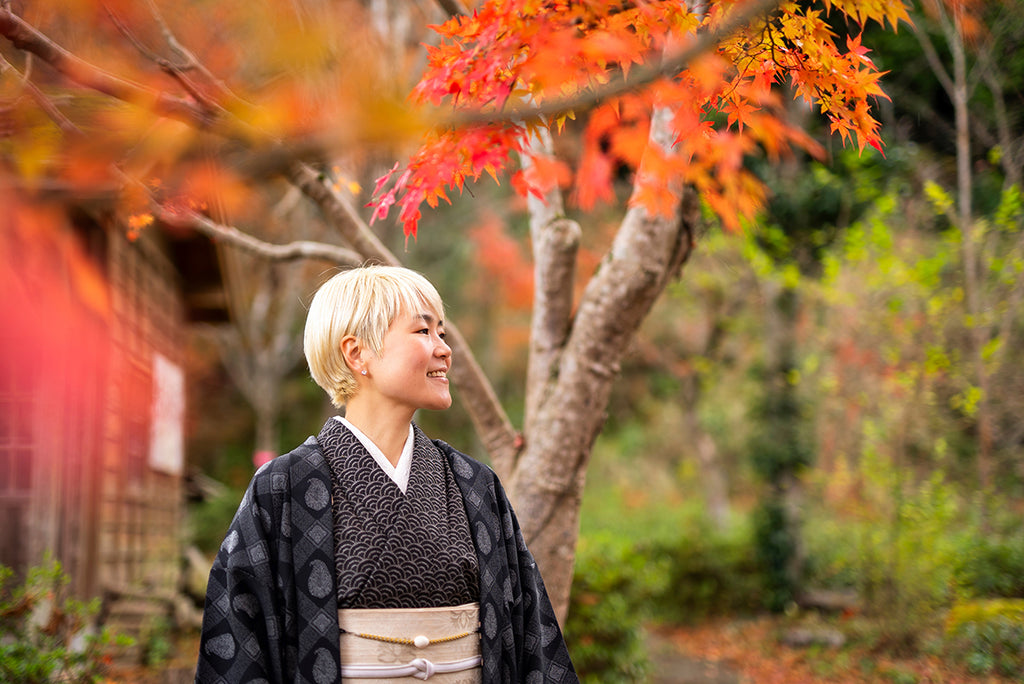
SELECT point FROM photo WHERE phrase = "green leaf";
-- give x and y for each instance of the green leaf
(938, 197)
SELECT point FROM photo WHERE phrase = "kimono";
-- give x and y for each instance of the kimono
(271, 610)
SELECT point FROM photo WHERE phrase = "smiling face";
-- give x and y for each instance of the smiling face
(411, 370)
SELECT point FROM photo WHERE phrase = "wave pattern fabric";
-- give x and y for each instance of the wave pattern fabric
(395, 550)
(272, 600)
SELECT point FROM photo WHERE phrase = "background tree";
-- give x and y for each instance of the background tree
(964, 29)
(264, 343)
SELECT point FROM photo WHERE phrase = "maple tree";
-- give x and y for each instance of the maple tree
(558, 57)
(185, 118)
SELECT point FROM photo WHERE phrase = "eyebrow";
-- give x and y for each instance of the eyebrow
(428, 318)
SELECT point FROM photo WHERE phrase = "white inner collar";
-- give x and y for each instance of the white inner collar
(399, 474)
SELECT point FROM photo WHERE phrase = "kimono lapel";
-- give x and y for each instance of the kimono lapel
(366, 505)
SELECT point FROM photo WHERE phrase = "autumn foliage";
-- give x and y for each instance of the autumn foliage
(119, 95)
(516, 65)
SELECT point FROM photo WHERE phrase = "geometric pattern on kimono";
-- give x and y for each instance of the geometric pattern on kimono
(395, 549)
(271, 610)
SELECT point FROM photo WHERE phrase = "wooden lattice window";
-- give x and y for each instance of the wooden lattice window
(17, 395)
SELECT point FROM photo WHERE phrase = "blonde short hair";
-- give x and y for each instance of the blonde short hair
(362, 302)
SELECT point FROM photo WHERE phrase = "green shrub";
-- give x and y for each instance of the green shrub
(993, 568)
(898, 552)
(775, 546)
(988, 636)
(45, 636)
(157, 642)
(209, 520)
(614, 582)
(710, 573)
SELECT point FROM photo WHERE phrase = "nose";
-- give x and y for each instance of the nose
(442, 349)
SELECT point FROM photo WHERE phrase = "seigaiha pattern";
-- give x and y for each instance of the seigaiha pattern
(395, 550)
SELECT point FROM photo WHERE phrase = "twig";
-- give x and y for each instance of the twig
(190, 59)
(451, 7)
(229, 235)
(27, 38)
(47, 105)
(173, 70)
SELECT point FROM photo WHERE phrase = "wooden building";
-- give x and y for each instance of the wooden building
(92, 395)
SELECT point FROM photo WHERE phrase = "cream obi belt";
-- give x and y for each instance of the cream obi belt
(384, 644)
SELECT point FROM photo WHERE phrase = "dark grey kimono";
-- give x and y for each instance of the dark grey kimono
(271, 604)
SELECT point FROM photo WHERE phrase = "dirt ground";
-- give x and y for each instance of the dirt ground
(671, 665)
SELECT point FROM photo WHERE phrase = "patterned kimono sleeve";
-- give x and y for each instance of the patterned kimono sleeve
(241, 619)
(542, 653)
(521, 641)
(271, 610)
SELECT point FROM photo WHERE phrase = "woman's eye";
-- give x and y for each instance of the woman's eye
(425, 331)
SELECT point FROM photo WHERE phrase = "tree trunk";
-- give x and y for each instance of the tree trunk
(547, 484)
(958, 88)
(716, 488)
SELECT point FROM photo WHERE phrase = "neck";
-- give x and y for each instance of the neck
(388, 432)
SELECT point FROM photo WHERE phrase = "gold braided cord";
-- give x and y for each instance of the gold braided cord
(410, 642)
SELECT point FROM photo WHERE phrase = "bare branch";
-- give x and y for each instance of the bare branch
(1010, 159)
(451, 7)
(45, 103)
(340, 214)
(191, 62)
(932, 55)
(229, 235)
(123, 29)
(173, 70)
(25, 37)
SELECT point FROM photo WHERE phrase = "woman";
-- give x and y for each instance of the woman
(372, 552)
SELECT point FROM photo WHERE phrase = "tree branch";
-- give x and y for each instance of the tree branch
(451, 7)
(229, 235)
(1009, 162)
(173, 70)
(555, 240)
(65, 124)
(191, 62)
(932, 55)
(619, 84)
(25, 37)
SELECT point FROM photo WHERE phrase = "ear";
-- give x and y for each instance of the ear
(352, 352)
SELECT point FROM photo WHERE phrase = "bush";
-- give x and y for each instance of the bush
(993, 568)
(45, 636)
(899, 553)
(209, 520)
(614, 582)
(988, 636)
(776, 547)
(710, 573)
